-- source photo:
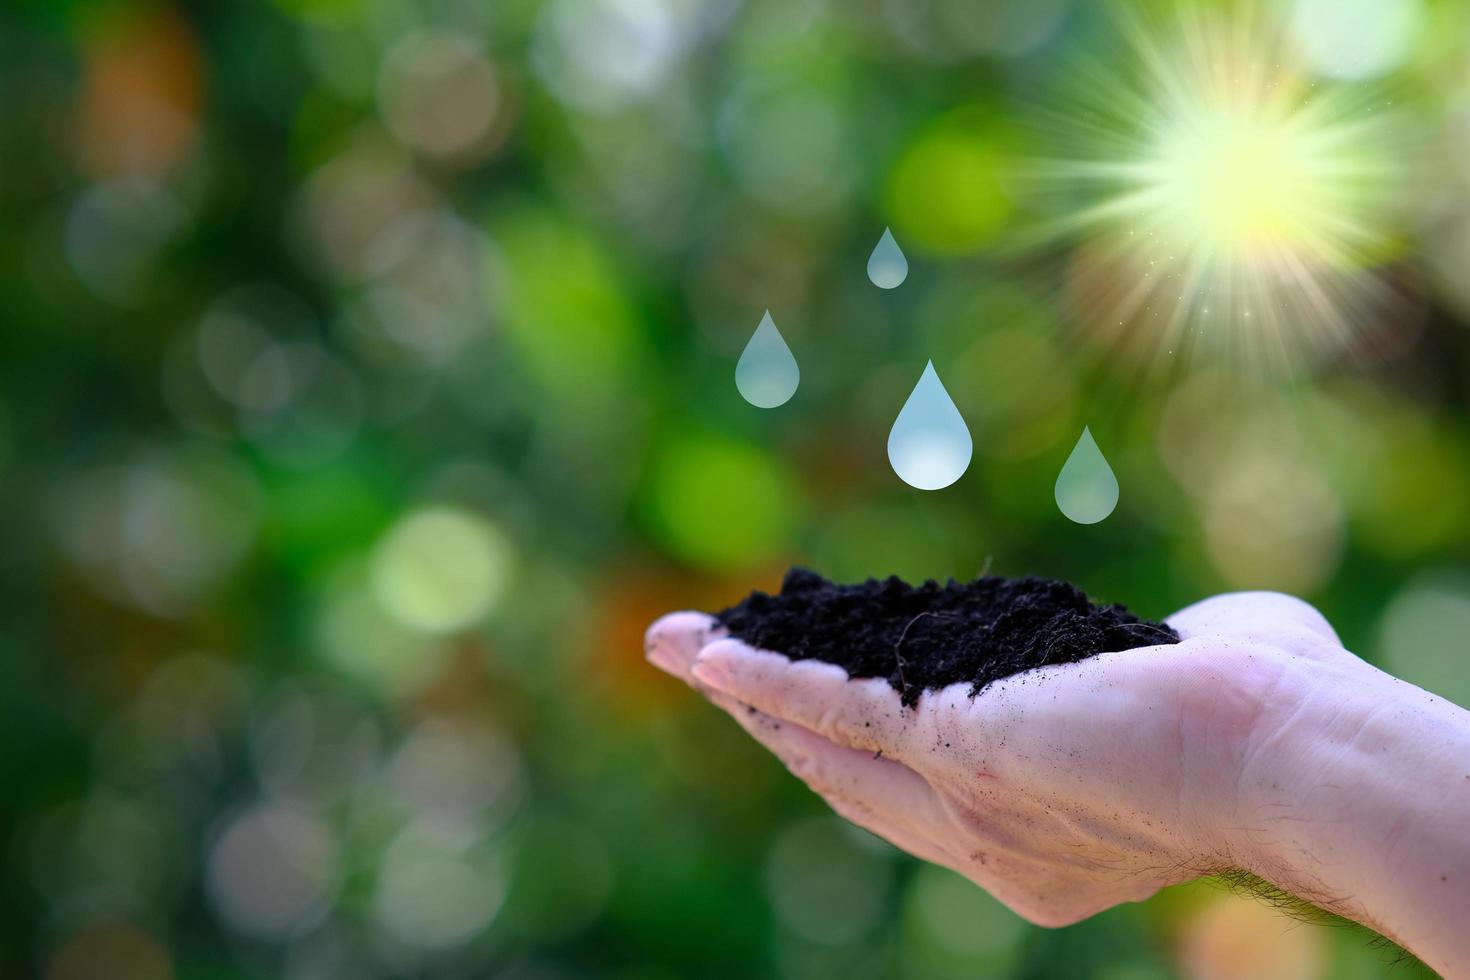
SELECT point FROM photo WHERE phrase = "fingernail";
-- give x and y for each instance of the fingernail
(713, 673)
(663, 658)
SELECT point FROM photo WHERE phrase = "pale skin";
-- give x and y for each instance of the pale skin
(1258, 743)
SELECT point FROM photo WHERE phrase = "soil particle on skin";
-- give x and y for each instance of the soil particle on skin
(921, 638)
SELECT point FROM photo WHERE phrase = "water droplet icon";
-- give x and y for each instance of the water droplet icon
(929, 444)
(887, 266)
(1087, 490)
(767, 374)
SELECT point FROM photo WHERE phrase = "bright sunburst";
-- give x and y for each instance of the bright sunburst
(1225, 205)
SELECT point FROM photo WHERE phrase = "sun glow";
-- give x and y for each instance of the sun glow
(1245, 183)
(1231, 207)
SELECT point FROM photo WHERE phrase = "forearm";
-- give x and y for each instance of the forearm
(1360, 802)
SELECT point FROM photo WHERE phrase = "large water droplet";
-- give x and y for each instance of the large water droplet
(887, 266)
(767, 374)
(1087, 490)
(929, 444)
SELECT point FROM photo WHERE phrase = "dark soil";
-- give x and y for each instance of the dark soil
(927, 637)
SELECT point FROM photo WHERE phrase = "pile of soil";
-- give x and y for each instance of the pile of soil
(930, 636)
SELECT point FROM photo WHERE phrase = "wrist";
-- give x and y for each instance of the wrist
(1351, 795)
(1300, 772)
(1243, 742)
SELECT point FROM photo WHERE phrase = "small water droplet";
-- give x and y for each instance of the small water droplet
(929, 444)
(767, 374)
(887, 266)
(1087, 490)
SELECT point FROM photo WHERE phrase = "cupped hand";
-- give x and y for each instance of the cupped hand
(1061, 791)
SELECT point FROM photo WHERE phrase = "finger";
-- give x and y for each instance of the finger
(865, 780)
(878, 794)
(860, 788)
(1267, 617)
(863, 714)
(672, 643)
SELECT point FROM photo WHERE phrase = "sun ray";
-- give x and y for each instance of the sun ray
(1223, 203)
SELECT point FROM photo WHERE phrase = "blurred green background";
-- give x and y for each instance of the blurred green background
(367, 389)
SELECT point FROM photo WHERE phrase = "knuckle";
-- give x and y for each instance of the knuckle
(1062, 904)
(853, 811)
(822, 781)
(831, 725)
(1049, 917)
(803, 766)
(1036, 907)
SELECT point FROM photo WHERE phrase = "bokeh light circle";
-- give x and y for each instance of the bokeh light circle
(439, 94)
(272, 871)
(441, 569)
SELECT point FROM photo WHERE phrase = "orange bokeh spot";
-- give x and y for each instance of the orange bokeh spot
(140, 98)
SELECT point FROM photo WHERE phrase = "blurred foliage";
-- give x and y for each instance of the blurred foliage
(367, 390)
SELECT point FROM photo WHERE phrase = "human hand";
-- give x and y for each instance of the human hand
(1068, 789)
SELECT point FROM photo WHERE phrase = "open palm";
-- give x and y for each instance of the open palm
(1061, 791)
